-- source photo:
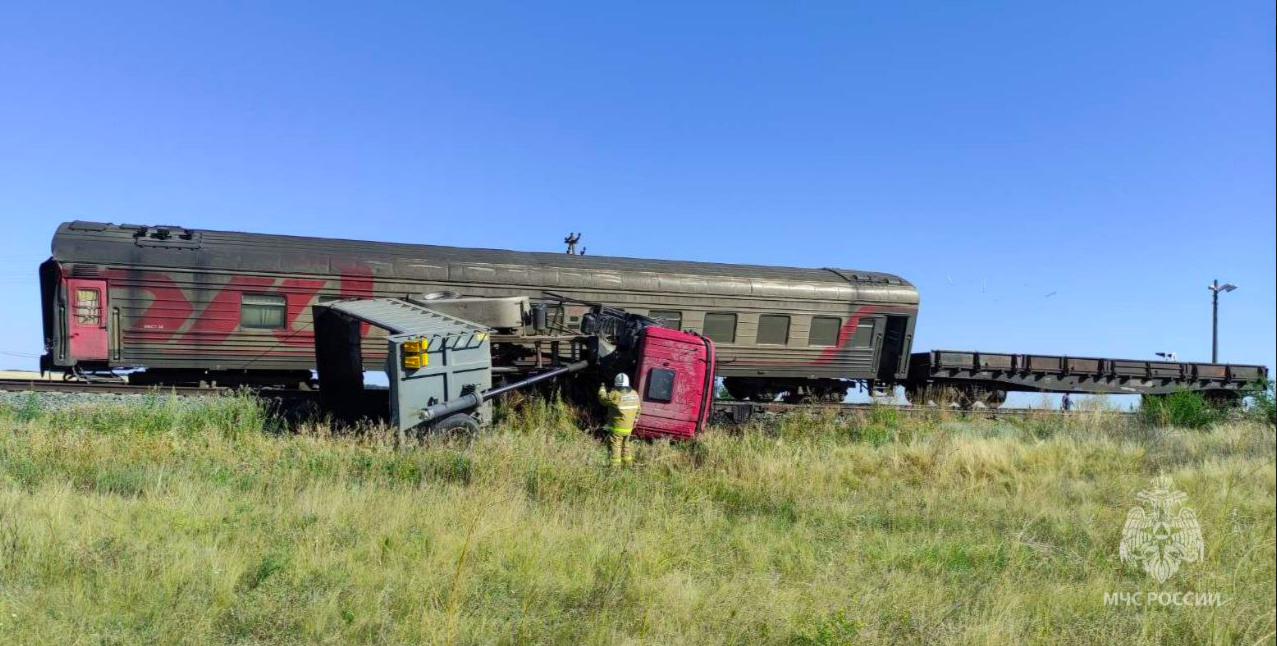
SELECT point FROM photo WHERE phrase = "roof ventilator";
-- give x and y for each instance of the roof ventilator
(164, 236)
(862, 278)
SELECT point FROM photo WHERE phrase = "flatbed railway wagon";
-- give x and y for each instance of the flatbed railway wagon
(194, 306)
(986, 377)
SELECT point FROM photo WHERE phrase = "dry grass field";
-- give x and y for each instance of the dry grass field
(166, 522)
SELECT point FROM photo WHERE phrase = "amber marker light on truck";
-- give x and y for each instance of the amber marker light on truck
(414, 354)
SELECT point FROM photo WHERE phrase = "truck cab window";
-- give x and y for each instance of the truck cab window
(660, 384)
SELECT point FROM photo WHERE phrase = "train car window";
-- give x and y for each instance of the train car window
(668, 318)
(824, 330)
(864, 337)
(262, 311)
(720, 328)
(88, 307)
(773, 329)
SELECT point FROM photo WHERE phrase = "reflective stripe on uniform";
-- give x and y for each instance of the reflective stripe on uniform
(624, 409)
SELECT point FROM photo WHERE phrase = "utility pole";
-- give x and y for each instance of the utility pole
(1215, 288)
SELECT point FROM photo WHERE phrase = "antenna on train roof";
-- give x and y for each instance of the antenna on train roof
(571, 241)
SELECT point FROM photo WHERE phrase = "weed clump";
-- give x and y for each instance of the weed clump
(1263, 402)
(1183, 409)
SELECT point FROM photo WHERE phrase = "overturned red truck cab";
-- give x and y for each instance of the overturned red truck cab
(675, 379)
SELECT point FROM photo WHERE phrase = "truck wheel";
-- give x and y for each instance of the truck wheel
(459, 424)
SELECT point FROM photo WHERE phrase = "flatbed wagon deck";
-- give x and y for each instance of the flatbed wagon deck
(986, 374)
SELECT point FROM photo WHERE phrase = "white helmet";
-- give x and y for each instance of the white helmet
(622, 380)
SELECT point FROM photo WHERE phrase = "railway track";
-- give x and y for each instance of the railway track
(119, 388)
(726, 410)
(103, 387)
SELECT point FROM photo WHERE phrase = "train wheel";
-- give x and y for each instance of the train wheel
(827, 394)
(739, 389)
(1223, 398)
(748, 390)
(996, 398)
(917, 395)
(940, 396)
(795, 397)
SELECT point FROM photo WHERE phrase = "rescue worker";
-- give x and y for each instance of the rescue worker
(623, 408)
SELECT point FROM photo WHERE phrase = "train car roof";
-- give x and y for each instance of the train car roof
(177, 247)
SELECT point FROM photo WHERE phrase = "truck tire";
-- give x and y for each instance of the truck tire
(460, 424)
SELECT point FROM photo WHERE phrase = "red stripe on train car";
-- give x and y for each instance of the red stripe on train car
(211, 329)
(169, 308)
(845, 333)
(298, 293)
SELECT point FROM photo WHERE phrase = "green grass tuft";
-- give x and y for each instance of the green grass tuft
(185, 521)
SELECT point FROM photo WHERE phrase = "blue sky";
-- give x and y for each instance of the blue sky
(1055, 177)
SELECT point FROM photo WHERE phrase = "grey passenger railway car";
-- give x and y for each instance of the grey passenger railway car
(201, 305)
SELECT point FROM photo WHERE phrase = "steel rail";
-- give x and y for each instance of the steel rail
(106, 388)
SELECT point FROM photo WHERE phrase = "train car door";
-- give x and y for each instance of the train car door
(893, 347)
(86, 319)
